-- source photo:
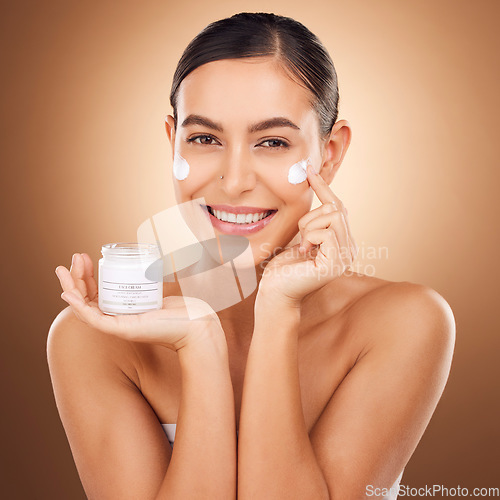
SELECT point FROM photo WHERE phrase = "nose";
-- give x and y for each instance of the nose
(238, 173)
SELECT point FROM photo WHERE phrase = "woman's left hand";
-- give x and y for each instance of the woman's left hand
(326, 250)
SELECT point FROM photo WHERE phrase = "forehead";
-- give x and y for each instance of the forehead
(243, 90)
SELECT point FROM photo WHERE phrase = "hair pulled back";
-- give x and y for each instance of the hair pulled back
(260, 34)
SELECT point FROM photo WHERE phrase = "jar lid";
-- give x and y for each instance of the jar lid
(130, 249)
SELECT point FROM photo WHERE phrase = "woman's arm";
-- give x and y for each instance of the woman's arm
(203, 463)
(275, 455)
(109, 411)
(119, 446)
(376, 417)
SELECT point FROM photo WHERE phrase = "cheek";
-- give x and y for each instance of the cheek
(190, 176)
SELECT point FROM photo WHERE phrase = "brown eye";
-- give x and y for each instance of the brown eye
(205, 140)
(275, 143)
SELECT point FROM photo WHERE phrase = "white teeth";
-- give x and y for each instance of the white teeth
(239, 218)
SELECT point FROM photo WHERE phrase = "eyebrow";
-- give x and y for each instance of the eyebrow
(278, 121)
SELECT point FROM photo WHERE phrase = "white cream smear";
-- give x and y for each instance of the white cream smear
(298, 172)
(180, 168)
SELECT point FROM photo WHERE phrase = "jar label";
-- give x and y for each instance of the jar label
(128, 291)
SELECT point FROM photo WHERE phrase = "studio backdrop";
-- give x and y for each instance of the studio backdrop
(85, 161)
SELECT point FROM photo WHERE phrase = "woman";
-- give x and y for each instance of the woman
(319, 384)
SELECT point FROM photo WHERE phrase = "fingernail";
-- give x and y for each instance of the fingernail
(313, 168)
(57, 271)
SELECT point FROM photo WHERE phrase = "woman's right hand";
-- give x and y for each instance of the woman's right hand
(170, 326)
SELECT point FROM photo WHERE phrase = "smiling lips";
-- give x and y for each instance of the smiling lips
(239, 220)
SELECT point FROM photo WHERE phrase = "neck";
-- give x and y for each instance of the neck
(216, 285)
(238, 319)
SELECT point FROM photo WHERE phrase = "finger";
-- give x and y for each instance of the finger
(327, 242)
(72, 299)
(306, 219)
(319, 222)
(321, 188)
(328, 256)
(326, 218)
(352, 244)
(89, 276)
(326, 195)
(334, 222)
(348, 247)
(78, 272)
(66, 280)
(341, 228)
(328, 259)
(325, 208)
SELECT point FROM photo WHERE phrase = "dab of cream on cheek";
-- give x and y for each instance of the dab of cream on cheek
(180, 168)
(298, 172)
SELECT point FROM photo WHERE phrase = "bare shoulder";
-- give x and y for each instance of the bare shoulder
(402, 337)
(71, 342)
(404, 311)
(119, 448)
(400, 298)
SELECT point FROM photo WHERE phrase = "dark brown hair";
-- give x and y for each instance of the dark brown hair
(261, 34)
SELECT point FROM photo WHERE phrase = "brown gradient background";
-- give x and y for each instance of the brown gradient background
(85, 160)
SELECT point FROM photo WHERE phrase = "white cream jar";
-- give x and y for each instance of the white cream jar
(130, 278)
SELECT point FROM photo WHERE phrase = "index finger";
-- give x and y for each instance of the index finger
(321, 188)
(326, 195)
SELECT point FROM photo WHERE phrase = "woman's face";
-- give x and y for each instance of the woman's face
(246, 120)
